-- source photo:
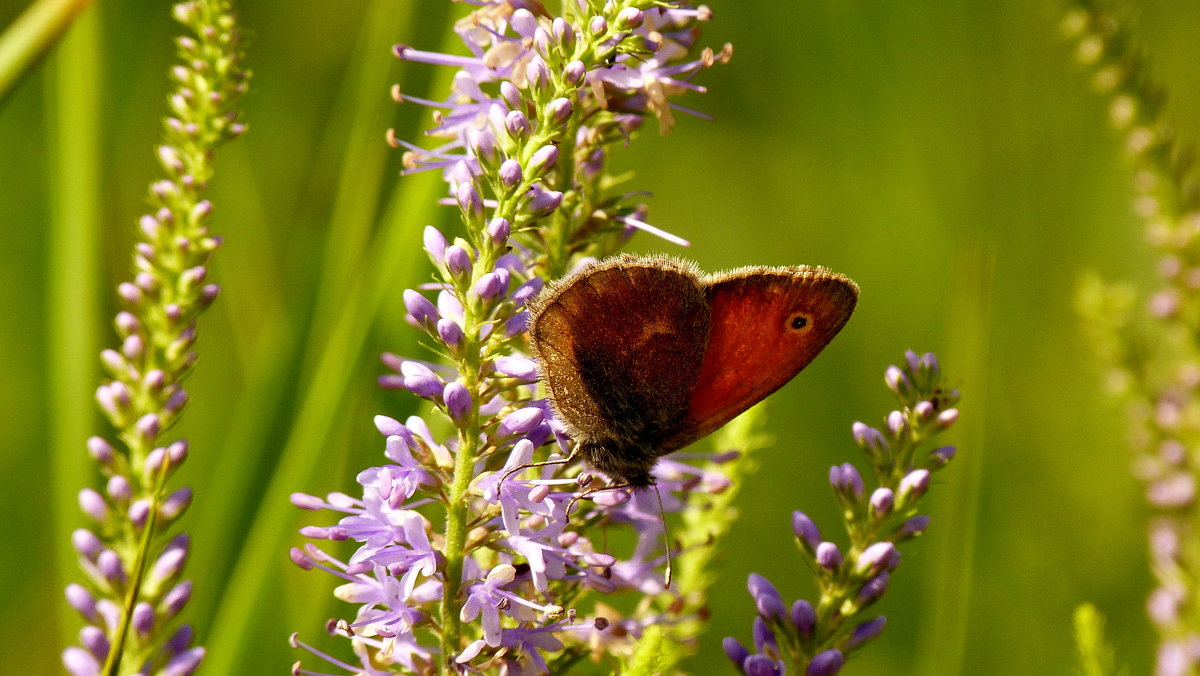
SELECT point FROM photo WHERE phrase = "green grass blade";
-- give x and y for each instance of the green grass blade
(31, 36)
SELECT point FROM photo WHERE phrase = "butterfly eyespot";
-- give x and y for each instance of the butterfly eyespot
(798, 322)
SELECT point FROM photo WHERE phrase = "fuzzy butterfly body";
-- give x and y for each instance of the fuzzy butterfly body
(645, 355)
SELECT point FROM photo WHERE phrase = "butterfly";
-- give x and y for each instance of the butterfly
(642, 356)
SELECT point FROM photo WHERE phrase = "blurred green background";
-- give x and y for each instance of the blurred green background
(947, 156)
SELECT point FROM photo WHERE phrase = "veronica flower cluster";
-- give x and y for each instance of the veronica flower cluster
(815, 639)
(133, 593)
(467, 559)
(1154, 366)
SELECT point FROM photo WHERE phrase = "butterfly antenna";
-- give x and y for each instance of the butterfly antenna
(666, 537)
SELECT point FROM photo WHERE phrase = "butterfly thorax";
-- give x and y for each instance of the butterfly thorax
(622, 461)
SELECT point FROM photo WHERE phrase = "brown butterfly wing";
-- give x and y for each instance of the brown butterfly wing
(756, 342)
(620, 345)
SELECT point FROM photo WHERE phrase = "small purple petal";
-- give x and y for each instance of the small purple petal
(874, 559)
(80, 662)
(469, 200)
(450, 332)
(110, 567)
(846, 480)
(93, 505)
(490, 286)
(81, 600)
(499, 229)
(520, 421)
(96, 642)
(143, 619)
(913, 527)
(575, 72)
(761, 665)
(735, 651)
(826, 663)
(517, 367)
(185, 663)
(424, 386)
(764, 636)
(559, 110)
(458, 260)
(804, 617)
(86, 543)
(806, 531)
(882, 502)
(543, 160)
(545, 202)
(176, 599)
(516, 124)
(829, 556)
(947, 418)
(913, 486)
(766, 598)
(866, 631)
(419, 307)
(940, 457)
(510, 173)
(100, 449)
(873, 590)
(458, 401)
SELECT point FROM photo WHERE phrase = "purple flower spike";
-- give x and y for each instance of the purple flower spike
(807, 531)
(829, 556)
(735, 651)
(804, 617)
(761, 665)
(827, 663)
(420, 308)
(458, 401)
